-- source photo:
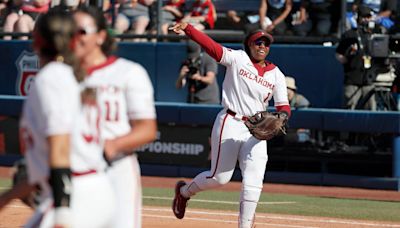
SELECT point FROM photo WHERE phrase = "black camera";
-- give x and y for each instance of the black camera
(193, 65)
(383, 45)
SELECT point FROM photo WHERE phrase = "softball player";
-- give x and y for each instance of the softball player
(60, 127)
(125, 97)
(250, 82)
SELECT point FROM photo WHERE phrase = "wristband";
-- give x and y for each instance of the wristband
(62, 217)
(60, 182)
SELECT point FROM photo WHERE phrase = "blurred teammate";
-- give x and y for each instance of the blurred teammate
(125, 97)
(250, 82)
(60, 127)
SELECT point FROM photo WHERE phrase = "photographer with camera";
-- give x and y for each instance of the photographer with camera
(199, 72)
(361, 64)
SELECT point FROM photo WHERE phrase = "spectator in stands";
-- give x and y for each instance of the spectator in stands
(171, 12)
(384, 10)
(23, 16)
(296, 100)
(199, 72)
(246, 21)
(271, 17)
(237, 20)
(277, 11)
(314, 17)
(202, 16)
(133, 15)
(3, 10)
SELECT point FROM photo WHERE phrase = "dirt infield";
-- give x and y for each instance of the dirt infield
(15, 214)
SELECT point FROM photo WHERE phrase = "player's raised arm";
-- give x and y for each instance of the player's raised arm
(213, 48)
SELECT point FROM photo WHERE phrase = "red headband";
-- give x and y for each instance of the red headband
(259, 35)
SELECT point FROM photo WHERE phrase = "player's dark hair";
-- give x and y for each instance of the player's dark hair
(54, 37)
(246, 41)
(108, 46)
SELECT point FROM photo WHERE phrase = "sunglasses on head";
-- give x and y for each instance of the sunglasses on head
(260, 42)
(86, 30)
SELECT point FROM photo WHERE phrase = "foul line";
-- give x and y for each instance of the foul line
(290, 217)
(215, 201)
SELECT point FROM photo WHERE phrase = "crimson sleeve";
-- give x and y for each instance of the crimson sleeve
(213, 48)
(284, 108)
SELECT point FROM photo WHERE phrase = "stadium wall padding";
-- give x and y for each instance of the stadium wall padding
(318, 75)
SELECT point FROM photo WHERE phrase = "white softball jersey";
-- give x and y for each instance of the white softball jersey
(125, 93)
(53, 107)
(244, 91)
(43, 115)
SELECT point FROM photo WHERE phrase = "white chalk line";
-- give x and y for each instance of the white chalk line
(216, 201)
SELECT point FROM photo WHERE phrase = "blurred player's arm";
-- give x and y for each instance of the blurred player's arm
(60, 177)
(143, 131)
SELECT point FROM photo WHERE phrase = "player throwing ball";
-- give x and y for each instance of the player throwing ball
(250, 82)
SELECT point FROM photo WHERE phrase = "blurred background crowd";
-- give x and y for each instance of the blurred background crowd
(301, 18)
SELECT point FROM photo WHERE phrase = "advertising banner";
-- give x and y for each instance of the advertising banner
(178, 145)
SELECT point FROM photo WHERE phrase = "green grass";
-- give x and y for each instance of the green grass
(303, 205)
(4, 183)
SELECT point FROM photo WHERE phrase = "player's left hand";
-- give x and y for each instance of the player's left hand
(178, 27)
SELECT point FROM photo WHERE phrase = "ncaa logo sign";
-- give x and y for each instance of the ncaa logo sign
(27, 66)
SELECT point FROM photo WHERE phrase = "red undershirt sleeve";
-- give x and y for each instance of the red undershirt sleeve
(284, 108)
(213, 48)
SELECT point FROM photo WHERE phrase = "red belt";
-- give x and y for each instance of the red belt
(77, 174)
(234, 114)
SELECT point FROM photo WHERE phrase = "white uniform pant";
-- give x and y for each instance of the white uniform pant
(231, 141)
(92, 204)
(125, 178)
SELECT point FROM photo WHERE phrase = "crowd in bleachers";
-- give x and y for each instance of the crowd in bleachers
(279, 17)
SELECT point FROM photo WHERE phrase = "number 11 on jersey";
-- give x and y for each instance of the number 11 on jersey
(112, 111)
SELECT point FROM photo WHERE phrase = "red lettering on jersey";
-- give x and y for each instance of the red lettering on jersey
(92, 114)
(112, 111)
(257, 79)
(109, 89)
(88, 138)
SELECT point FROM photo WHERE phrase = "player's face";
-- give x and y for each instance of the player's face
(259, 49)
(88, 37)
